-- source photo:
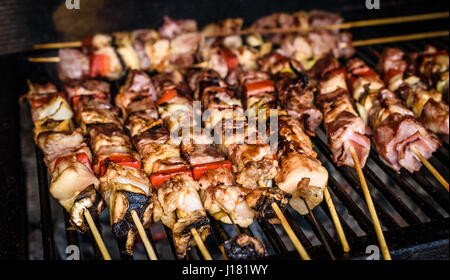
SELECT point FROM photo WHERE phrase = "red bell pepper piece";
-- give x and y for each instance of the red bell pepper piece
(200, 169)
(80, 157)
(125, 160)
(159, 178)
(167, 96)
(99, 65)
(390, 74)
(230, 58)
(255, 88)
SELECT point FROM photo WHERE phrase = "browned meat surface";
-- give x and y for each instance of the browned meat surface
(435, 117)
(261, 199)
(298, 100)
(392, 59)
(140, 82)
(99, 89)
(214, 177)
(344, 127)
(244, 247)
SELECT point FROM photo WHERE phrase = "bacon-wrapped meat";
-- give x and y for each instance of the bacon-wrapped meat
(396, 131)
(344, 127)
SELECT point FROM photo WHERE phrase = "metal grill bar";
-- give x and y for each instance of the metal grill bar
(48, 241)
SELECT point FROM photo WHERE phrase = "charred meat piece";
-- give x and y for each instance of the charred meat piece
(244, 247)
(261, 199)
(297, 99)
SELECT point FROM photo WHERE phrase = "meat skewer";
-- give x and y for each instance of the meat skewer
(339, 117)
(385, 112)
(179, 204)
(345, 25)
(237, 140)
(125, 188)
(297, 98)
(415, 86)
(209, 166)
(66, 156)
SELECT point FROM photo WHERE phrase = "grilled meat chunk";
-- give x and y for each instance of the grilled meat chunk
(125, 189)
(182, 210)
(244, 247)
(261, 199)
(297, 99)
(225, 201)
(396, 131)
(344, 127)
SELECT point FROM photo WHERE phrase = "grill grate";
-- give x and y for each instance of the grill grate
(408, 205)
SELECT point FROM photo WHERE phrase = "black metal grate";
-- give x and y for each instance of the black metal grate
(413, 208)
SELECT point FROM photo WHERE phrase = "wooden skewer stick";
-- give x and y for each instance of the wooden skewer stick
(336, 221)
(400, 38)
(373, 213)
(431, 168)
(300, 249)
(294, 239)
(319, 229)
(345, 25)
(236, 228)
(148, 246)
(75, 44)
(359, 43)
(52, 59)
(97, 236)
(201, 245)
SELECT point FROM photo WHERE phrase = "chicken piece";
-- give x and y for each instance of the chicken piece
(252, 163)
(244, 247)
(153, 145)
(173, 28)
(183, 210)
(125, 189)
(137, 82)
(101, 135)
(225, 201)
(214, 177)
(97, 116)
(76, 189)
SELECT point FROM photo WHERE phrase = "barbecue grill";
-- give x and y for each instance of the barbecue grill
(413, 208)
